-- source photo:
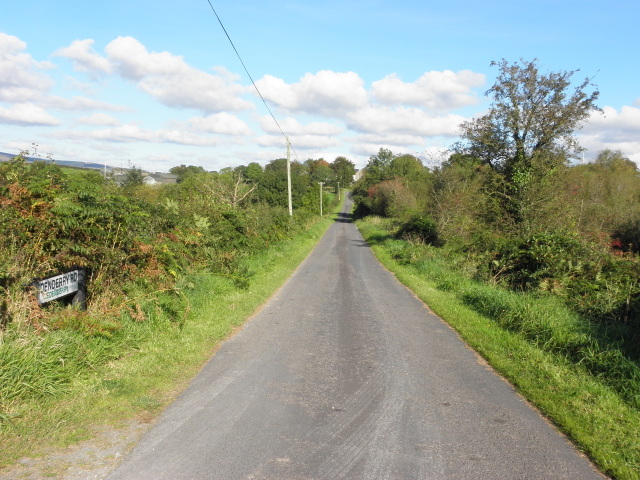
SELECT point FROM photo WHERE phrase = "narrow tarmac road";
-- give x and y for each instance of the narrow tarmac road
(344, 374)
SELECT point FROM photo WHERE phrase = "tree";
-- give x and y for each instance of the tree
(312, 165)
(527, 136)
(183, 171)
(616, 160)
(392, 198)
(533, 116)
(379, 166)
(605, 193)
(406, 166)
(463, 201)
(273, 183)
(133, 178)
(344, 170)
(253, 172)
(378, 169)
(324, 174)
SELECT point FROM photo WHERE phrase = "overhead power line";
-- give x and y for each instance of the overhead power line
(252, 81)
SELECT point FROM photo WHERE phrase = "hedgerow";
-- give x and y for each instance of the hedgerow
(143, 248)
(133, 237)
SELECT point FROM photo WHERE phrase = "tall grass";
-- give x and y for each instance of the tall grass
(110, 367)
(543, 320)
(574, 371)
(549, 325)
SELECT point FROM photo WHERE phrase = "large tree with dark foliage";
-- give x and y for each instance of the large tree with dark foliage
(528, 132)
(533, 115)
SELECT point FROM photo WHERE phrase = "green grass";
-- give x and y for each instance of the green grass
(544, 350)
(56, 388)
(71, 171)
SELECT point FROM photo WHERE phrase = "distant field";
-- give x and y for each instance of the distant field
(5, 157)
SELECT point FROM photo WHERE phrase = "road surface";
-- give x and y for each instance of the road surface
(344, 374)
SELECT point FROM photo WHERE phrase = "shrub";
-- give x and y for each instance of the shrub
(627, 237)
(420, 227)
(147, 236)
(545, 261)
(391, 198)
(596, 284)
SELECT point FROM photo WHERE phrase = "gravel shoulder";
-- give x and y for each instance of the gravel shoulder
(92, 459)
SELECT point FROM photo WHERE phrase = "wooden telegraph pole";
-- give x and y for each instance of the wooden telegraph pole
(289, 177)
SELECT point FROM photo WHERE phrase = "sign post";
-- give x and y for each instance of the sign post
(63, 285)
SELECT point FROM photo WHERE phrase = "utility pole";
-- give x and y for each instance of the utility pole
(320, 183)
(289, 177)
(338, 191)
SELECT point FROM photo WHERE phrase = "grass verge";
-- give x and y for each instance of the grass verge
(74, 384)
(600, 417)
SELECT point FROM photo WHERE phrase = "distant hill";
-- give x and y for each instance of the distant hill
(5, 157)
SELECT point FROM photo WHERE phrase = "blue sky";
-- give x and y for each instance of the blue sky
(156, 83)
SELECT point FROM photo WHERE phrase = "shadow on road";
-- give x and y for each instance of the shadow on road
(344, 217)
(373, 240)
(360, 243)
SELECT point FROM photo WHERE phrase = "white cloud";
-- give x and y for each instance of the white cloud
(81, 104)
(223, 123)
(10, 45)
(298, 142)
(89, 88)
(615, 130)
(306, 142)
(170, 80)
(327, 93)
(26, 114)
(182, 137)
(20, 78)
(444, 90)
(291, 126)
(404, 115)
(390, 139)
(100, 119)
(408, 121)
(408, 112)
(314, 135)
(368, 149)
(595, 144)
(135, 62)
(614, 125)
(134, 133)
(85, 59)
(433, 157)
